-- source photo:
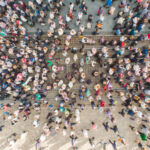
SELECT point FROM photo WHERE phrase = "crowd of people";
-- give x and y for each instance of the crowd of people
(29, 67)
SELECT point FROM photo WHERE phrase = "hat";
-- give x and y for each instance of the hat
(89, 25)
(83, 88)
(60, 31)
(55, 85)
(45, 49)
(97, 86)
(82, 26)
(80, 69)
(27, 88)
(49, 33)
(60, 91)
(60, 82)
(41, 12)
(54, 68)
(67, 60)
(73, 80)
(22, 32)
(83, 75)
(129, 73)
(70, 84)
(72, 32)
(64, 86)
(94, 50)
(88, 81)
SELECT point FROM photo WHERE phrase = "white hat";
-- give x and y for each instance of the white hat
(54, 68)
(70, 84)
(60, 82)
(72, 32)
(64, 86)
(60, 31)
(80, 69)
(55, 85)
(83, 75)
(94, 50)
(67, 60)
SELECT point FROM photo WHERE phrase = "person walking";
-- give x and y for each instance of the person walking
(106, 126)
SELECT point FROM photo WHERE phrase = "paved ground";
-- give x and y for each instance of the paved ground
(57, 141)
(108, 23)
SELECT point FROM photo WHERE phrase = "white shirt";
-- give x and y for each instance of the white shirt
(80, 14)
(2, 3)
(39, 1)
(68, 18)
(71, 6)
(101, 17)
(126, 9)
(120, 20)
(85, 133)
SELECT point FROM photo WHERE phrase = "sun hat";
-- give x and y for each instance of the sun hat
(97, 87)
(67, 60)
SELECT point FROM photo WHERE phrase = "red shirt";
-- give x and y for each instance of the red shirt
(102, 103)
(98, 92)
(149, 36)
(122, 44)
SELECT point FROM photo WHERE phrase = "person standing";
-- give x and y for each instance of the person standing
(106, 126)
(115, 128)
(113, 144)
(73, 139)
(91, 141)
(100, 11)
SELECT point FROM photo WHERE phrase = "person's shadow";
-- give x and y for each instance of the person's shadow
(113, 144)
(1, 127)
